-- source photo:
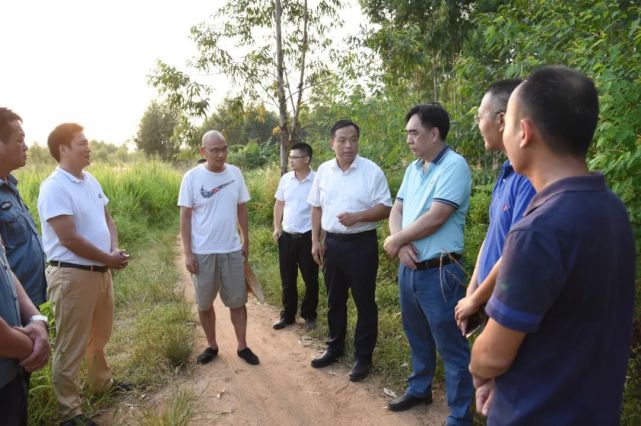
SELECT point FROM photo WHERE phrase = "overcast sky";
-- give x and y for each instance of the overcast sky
(87, 61)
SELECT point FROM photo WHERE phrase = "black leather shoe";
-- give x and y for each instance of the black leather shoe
(328, 357)
(407, 401)
(360, 370)
(282, 323)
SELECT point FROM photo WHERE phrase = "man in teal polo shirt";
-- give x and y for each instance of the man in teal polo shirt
(426, 227)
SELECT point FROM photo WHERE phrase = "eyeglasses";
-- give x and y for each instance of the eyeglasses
(221, 150)
(478, 118)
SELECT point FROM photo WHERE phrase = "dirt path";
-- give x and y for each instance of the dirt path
(284, 389)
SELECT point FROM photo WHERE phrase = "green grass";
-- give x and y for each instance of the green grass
(179, 410)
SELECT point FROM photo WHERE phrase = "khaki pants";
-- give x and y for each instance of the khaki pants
(83, 310)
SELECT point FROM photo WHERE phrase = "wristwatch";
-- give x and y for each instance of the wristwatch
(39, 318)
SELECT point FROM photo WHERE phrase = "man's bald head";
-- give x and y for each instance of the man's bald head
(213, 135)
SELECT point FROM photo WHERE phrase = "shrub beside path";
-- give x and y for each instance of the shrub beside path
(284, 389)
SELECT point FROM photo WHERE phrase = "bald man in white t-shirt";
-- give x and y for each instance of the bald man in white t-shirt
(212, 207)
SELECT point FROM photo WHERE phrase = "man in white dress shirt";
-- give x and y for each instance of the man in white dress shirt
(292, 230)
(348, 196)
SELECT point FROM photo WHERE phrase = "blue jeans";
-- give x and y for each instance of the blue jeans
(428, 298)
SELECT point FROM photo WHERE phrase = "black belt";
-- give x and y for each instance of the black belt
(351, 237)
(444, 259)
(296, 235)
(92, 268)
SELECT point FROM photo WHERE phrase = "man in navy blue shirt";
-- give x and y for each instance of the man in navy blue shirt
(556, 347)
(17, 228)
(511, 195)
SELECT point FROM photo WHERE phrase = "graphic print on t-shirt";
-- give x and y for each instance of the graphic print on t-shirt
(210, 193)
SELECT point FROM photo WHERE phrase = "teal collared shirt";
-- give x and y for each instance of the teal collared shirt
(23, 244)
(447, 180)
(10, 313)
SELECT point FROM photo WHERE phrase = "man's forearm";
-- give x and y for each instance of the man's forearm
(396, 218)
(485, 289)
(471, 288)
(113, 232)
(27, 308)
(84, 248)
(185, 229)
(316, 223)
(278, 215)
(13, 344)
(243, 222)
(425, 225)
(374, 214)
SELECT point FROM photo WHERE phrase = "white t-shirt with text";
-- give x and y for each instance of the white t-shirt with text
(213, 198)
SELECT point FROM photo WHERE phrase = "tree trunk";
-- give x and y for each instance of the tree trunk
(295, 134)
(282, 101)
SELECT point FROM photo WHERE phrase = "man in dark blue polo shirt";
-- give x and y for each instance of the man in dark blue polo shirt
(511, 195)
(556, 347)
(17, 228)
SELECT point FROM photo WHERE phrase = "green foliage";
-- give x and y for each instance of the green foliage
(241, 122)
(156, 132)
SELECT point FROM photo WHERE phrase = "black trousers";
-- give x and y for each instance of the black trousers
(13, 401)
(295, 251)
(351, 263)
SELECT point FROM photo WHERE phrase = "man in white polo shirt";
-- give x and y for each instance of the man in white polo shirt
(212, 203)
(81, 244)
(292, 230)
(348, 196)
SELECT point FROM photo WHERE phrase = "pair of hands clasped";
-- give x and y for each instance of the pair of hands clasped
(117, 259)
(36, 331)
(406, 252)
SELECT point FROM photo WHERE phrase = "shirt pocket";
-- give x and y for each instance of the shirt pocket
(14, 229)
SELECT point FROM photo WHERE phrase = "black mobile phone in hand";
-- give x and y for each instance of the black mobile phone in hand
(475, 322)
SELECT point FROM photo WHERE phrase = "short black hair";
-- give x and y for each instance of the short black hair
(564, 105)
(62, 135)
(501, 91)
(6, 118)
(344, 123)
(431, 114)
(302, 146)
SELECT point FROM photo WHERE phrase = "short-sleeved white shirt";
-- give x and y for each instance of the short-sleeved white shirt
(213, 198)
(294, 192)
(64, 194)
(362, 186)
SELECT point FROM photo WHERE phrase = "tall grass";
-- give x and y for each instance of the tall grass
(153, 325)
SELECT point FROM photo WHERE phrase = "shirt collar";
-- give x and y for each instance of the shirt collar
(308, 177)
(436, 160)
(593, 183)
(506, 169)
(11, 180)
(354, 165)
(69, 176)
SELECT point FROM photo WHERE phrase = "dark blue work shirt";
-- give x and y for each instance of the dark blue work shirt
(22, 242)
(10, 313)
(567, 280)
(511, 195)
